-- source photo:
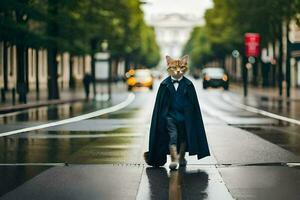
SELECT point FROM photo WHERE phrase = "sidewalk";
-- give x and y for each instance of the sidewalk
(268, 99)
(271, 93)
(66, 96)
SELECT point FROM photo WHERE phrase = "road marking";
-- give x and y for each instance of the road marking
(97, 113)
(32, 164)
(258, 111)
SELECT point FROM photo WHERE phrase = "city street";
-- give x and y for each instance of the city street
(94, 150)
(84, 113)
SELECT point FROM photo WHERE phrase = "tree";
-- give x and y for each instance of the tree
(77, 27)
(229, 20)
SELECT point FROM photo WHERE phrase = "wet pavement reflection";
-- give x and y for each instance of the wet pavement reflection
(70, 147)
(177, 184)
(53, 112)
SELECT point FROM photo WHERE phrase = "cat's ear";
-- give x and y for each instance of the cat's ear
(185, 59)
(169, 59)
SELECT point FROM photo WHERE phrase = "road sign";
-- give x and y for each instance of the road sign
(252, 44)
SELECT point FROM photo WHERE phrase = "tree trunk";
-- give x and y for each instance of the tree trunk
(288, 63)
(52, 29)
(21, 74)
(109, 78)
(5, 67)
(280, 72)
(71, 77)
(245, 76)
(93, 64)
(127, 63)
(255, 72)
(37, 77)
(274, 64)
(53, 92)
(26, 65)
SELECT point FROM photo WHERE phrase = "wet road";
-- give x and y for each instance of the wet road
(38, 150)
(53, 112)
(120, 138)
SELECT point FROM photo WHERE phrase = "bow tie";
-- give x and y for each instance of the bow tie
(175, 81)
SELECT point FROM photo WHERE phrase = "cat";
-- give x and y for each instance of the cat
(177, 67)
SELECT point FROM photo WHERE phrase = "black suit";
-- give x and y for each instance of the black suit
(195, 132)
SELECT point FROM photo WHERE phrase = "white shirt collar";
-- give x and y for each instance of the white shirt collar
(176, 79)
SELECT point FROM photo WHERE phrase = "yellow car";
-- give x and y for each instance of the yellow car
(139, 78)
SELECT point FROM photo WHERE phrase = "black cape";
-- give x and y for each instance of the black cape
(159, 137)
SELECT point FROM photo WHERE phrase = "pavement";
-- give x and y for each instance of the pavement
(271, 93)
(102, 157)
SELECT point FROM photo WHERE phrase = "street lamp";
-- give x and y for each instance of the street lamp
(103, 70)
(104, 45)
(235, 54)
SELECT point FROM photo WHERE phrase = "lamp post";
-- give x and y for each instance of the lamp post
(104, 47)
(235, 55)
(103, 70)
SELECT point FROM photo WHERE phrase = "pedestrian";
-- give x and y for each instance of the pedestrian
(176, 126)
(87, 79)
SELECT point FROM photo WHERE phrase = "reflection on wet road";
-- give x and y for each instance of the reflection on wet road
(179, 184)
(53, 112)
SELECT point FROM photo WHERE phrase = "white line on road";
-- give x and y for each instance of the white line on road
(32, 164)
(258, 111)
(97, 113)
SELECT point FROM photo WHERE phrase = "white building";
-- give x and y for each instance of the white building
(172, 32)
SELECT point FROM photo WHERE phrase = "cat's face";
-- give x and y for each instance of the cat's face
(177, 67)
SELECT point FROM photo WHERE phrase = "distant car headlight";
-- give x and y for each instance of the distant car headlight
(207, 78)
(225, 78)
(131, 81)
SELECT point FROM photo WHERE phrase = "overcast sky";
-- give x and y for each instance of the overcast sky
(193, 7)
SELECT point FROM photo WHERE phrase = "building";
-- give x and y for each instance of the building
(172, 32)
(37, 69)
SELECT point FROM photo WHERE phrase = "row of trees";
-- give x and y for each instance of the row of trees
(77, 27)
(229, 20)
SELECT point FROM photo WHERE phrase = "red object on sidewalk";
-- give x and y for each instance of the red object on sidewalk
(252, 44)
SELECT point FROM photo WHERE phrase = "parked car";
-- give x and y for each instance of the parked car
(140, 78)
(215, 77)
